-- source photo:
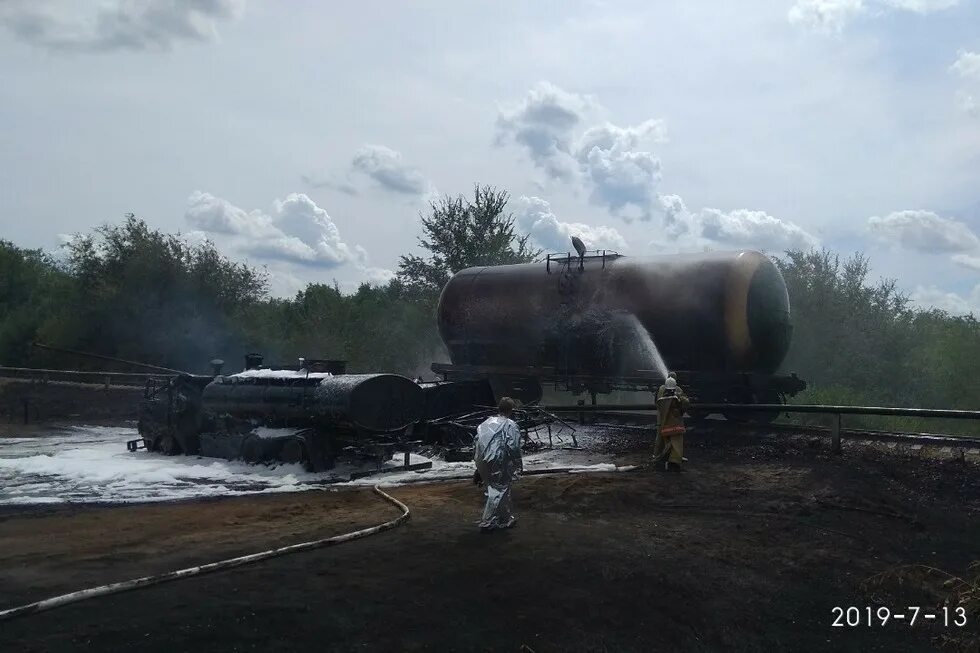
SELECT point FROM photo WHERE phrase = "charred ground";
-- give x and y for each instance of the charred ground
(749, 550)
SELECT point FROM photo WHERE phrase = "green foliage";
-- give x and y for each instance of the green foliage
(30, 285)
(133, 292)
(461, 233)
(861, 343)
(136, 293)
(377, 328)
(141, 294)
(942, 360)
(847, 332)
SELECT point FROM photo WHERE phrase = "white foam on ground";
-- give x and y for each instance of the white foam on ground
(279, 374)
(278, 432)
(91, 464)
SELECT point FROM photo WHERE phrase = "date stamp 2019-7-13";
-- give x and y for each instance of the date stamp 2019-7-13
(870, 617)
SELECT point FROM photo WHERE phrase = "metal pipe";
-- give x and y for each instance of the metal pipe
(835, 434)
(112, 359)
(786, 408)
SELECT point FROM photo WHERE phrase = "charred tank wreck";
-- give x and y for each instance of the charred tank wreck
(312, 413)
(587, 323)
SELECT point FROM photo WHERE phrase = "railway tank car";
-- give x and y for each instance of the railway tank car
(306, 414)
(721, 320)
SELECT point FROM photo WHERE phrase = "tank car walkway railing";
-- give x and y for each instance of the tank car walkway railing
(836, 413)
(105, 379)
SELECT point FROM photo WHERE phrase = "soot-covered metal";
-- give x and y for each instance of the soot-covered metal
(589, 323)
(287, 413)
(720, 319)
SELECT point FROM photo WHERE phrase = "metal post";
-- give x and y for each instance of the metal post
(835, 434)
(407, 454)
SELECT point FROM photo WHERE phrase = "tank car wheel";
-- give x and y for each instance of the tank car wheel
(737, 417)
(738, 396)
(748, 417)
(295, 452)
(770, 397)
(252, 450)
(168, 445)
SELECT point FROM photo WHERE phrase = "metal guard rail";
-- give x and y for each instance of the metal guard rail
(835, 411)
(784, 408)
(81, 376)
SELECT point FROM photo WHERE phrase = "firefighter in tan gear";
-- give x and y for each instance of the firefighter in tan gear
(671, 405)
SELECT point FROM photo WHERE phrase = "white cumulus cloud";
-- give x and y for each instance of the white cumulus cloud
(384, 168)
(388, 169)
(536, 218)
(678, 221)
(924, 231)
(967, 68)
(832, 16)
(744, 227)
(296, 231)
(610, 161)
(933, 297)
(968, 103)
(967, 65)
(544, 123)
(622, 175)
(65, 25)
(967, 261)
(737, 228)
(921, 6)
(378, 276)
(825, 15)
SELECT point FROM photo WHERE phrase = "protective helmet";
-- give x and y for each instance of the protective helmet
(671, 383)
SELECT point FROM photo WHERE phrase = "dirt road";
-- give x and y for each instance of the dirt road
(750, 550)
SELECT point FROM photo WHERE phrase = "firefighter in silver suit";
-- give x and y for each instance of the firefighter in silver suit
(497, 454)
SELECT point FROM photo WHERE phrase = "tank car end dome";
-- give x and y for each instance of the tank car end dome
(767, 312)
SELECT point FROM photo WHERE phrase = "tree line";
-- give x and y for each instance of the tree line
(131, 291)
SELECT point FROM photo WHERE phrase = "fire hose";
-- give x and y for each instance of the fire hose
(146, 581)
(115, 588)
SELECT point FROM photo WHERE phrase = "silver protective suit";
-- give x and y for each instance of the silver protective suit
(497, 454)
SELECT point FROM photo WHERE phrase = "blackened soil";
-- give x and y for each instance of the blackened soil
(749, 550)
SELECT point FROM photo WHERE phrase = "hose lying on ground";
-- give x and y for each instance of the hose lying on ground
(115, 588)
(527, 472)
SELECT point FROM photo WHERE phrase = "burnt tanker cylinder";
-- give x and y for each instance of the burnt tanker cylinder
(369, 402)
(715, 311)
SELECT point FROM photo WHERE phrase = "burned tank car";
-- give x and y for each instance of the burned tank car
(376, 403)
(720, 319)
(289, 414)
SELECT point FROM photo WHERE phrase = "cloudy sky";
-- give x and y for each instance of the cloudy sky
(306, 136)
